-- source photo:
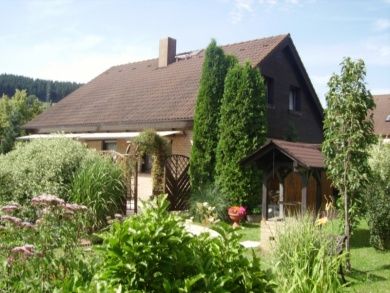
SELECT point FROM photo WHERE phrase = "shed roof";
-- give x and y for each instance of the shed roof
(305, 154)
(140, 93)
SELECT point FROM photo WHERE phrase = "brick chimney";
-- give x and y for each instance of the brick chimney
(167, 52)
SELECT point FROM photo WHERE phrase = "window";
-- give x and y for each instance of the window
(269, 90)
(388, 118)
(294, 101)
(109, 145)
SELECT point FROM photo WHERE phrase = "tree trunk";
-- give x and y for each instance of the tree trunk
(347, 230)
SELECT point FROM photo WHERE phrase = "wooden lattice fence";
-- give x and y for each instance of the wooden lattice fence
(177, 181)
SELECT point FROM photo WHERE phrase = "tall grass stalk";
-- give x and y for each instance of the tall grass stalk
(100, 186)
(305, 259)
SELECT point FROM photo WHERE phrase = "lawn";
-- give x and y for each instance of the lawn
(370, 268)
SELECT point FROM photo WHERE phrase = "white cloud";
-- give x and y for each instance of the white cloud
(45, 8)
(382, 24)
(241, 7)
(76, 59)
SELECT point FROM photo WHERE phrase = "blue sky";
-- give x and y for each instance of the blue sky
(78, 39)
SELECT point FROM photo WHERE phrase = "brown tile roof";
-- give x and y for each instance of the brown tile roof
(381, 112)
(305, 154)
(141, 92)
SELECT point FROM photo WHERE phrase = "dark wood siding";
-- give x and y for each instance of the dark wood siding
(285, 73)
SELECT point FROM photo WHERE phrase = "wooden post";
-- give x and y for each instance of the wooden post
(281, 194)
(264, 207)
(304, 176)
(135, 200)
(317, 176)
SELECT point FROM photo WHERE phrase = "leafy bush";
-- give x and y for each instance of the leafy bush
(304, 258)
(42, 256)
(42, 166)
(213, 198)
(99, 185)
(378, 197)
(152, 252)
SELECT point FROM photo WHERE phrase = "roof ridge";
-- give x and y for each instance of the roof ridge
(258, 39)
(202, 49)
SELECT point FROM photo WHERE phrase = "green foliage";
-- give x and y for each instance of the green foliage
(55, 258)
(304, 258)
(149, 142)
(348, 133)
(152, 252)
(207, 115)
(45, 90)
(378, 197)
(100, 186)
(14, 112)
(213, 197)
(41, 166)
(242, 131)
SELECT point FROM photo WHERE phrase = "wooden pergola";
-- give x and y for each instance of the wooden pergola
(293, 177)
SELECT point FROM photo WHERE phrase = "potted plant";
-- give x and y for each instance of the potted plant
(236, 214)
(254, 216)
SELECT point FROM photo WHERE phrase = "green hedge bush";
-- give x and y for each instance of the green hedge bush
(43, 166)
(152, 252)
(378, 197)
(66, 168)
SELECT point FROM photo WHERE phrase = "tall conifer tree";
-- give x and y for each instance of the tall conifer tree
(243, 129)
(205, 135)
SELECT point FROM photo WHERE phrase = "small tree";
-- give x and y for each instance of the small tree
(205, 135)
(242, 131)
(14, 112)
(348, 131)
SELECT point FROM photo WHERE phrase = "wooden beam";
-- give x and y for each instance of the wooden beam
(305, 178)
(264, 207)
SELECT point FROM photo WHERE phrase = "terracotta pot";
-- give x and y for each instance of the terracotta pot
(236, 218)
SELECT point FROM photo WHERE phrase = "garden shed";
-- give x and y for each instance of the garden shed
(293, 178)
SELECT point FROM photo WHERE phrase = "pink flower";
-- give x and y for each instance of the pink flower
(47, 200)
(10, 208)
(10, 219)
(74, 207)
(26, 225)
(26, 250)
(238, 210)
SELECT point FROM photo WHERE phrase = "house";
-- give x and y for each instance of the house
(161, 94)
(382, 116)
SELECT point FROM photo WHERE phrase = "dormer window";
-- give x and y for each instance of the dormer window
(294, 100)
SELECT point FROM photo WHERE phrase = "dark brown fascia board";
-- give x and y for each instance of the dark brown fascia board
(265, 149)
(306, 77)
(115, 127)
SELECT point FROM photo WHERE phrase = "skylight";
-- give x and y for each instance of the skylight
(388, 118)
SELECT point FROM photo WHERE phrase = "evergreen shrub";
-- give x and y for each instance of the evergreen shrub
(207, 116)
(243, 130)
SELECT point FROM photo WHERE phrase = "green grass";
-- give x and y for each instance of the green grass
(370, 268)
(250, 231)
